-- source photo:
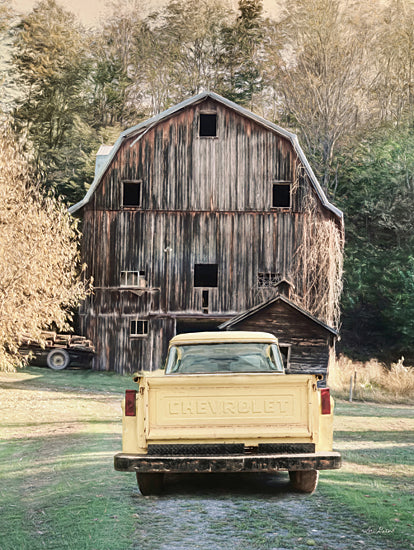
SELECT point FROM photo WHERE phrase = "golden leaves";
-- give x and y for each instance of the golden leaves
(39, 274)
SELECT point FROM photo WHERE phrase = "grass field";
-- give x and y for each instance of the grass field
(376, 481)
(59, 431)
(58, 436)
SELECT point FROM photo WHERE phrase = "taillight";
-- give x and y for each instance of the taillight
(130, 402)
(325, 401)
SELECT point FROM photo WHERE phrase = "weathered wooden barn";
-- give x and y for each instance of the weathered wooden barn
(194, 217)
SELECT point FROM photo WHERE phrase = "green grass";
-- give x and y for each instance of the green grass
(86, 380)
(376, 481)
(81, 506)
(58, 489)
(58, 486)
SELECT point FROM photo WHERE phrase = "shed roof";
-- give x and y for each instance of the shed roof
(256, 309)
(140, 129)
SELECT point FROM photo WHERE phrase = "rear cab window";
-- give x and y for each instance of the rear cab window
(249, 357)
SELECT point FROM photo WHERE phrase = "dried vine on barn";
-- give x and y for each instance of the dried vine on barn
(317, 263)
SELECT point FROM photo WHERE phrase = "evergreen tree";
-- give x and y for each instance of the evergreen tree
(376, 191)
(242, 70)
(50, 57)
(115, 85)
(182, 50)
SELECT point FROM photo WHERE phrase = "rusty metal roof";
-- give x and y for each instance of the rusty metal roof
(141, 129)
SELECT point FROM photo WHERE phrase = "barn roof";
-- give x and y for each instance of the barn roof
(256, 309)
(141, 129)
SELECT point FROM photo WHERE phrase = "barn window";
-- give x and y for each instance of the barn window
(281, 195)
(268, 279)
(208, 125)
(132, 194)
(133, 278)
(205, 275)
(285, 352)
(205, 301)
(138, 327)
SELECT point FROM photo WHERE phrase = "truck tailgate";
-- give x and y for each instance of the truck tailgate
(230, 408)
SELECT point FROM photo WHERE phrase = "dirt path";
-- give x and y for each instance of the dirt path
(245, 513)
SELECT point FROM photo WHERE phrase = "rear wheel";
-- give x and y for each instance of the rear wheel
(58, 359)
(150, 483)
(304, 481)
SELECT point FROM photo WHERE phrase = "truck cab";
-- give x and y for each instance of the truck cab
(223, 403)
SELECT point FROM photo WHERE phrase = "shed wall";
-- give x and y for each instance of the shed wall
(309, 343)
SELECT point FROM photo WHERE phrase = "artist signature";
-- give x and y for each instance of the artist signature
(379, 531)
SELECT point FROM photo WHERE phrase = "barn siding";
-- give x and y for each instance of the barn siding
(181, 171)
(241, 244)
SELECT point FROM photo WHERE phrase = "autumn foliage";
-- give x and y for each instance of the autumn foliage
(39, 267)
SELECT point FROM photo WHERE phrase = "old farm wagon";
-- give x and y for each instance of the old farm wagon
(195, 217)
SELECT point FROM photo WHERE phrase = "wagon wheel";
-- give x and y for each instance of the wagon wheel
(58, 359)
(150, 483)
(304, 481)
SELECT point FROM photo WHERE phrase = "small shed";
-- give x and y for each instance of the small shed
(306, 343)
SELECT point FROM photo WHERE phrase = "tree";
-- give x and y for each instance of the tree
(392, 87)
(319, 68)
(242, 68)
(7, 90)
(115, 98)
(5, 10)
(180, 51)
(51, 61)
(376, 190)
(39, 269)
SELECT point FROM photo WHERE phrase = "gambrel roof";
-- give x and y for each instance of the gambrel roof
(141, 129)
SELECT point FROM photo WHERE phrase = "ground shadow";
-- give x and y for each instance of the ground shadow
(230, 484)
(76, 380)
(396, 436)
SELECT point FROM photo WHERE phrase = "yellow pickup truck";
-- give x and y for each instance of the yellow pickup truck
(223, 403)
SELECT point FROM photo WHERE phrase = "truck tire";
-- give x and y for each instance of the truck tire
(304, 481)
(150, 483)
(58, 359)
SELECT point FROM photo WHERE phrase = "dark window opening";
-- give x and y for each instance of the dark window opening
(138, 328)
(268, 279)
(205, 275)
(208, 125)
(204, 301)
(281, 195)
(196, 325)
(132, 193)
(285, 353)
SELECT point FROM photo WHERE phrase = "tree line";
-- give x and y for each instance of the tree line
(327, 70)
